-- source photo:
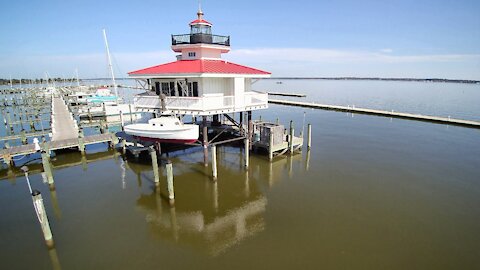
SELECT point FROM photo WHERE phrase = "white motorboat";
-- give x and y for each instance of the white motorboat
(164, 129)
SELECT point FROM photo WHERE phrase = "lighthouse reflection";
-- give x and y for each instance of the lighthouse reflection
(214, 216)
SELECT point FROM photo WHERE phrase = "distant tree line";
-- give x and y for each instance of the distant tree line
(36, 81)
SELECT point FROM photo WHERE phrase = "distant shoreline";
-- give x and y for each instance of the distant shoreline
(436, 80)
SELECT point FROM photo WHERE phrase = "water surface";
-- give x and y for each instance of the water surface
(373, 193)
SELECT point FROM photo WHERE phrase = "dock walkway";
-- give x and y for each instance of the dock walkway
(419, 117)
(63, 125)
(9, 153)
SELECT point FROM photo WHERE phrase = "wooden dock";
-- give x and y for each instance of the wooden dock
(418, 117)
(285, 94)
(64, 125)
(9, 153)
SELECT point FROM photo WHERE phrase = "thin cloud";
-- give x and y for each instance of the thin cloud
(337, 56)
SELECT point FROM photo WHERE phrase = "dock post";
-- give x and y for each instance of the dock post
(9, 120)
(124, 143)
(81, 143)
(309, 136)
(23, 136)
(104, 108)
(270, 145)
(171, 192)
(48, 169)
(102, 127)
(277, 121)
(242, 131)
(250, 125)
(121, 120)
(42, 217)
(153, 155)
(130, 111)
(214, 162)
(247, 152)
(292, 132)
(205, 141)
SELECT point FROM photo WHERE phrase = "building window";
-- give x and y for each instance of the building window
(193, 89)
(191, 54)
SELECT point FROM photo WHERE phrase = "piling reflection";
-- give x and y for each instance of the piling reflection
(212, 216)
(56, 207)
(52, 252)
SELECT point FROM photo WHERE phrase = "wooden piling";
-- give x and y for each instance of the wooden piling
(292, 132)
(242, 131)
(47, 168)
(124, 143)
(309, 136)
(153, 155)
(121, 120)
(270, 145)
(250, 126)
(23, 137)
(205, 141)
(130, 111)
(81, 142)
(42, 217)
(171, 192)
(214, 162)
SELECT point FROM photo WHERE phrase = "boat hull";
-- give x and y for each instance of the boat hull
(183, 134)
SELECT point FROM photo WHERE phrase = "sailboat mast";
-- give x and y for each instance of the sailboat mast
(110, 65)
(78, 81)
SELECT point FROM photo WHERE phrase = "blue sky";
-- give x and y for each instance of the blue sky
(289, 38)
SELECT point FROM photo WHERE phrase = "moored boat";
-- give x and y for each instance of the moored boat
(164, 129)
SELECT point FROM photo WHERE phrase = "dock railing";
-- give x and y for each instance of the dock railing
(211, 102)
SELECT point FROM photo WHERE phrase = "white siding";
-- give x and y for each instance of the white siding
(239, 90)
(216, 86)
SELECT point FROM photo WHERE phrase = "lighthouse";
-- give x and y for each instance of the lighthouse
(199, 82)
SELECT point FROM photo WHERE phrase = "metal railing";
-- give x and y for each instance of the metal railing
(200, 38)
(199, 104)
(255, 98)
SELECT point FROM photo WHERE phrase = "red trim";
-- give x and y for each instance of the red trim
(197, 21)
(198, 66)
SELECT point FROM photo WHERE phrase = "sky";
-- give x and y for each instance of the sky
(368, 38)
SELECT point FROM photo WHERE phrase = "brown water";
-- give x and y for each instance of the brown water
(373, 193)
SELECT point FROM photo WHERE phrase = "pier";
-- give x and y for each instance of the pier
(418, 117)
(63, 124)
(286, 94)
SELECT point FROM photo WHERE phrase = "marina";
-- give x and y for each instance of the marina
(204, 163)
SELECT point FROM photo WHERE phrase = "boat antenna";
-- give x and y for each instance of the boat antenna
(110, 66)
(78, 81)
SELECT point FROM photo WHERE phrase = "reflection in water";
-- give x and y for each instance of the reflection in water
(56, 208)
(227, 212)
(122, 167)
(52, 252)
(307, 160)
(84, 161)
(215, 196)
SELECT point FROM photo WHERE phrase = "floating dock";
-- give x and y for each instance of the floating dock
(286, 94)
(418, 117)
